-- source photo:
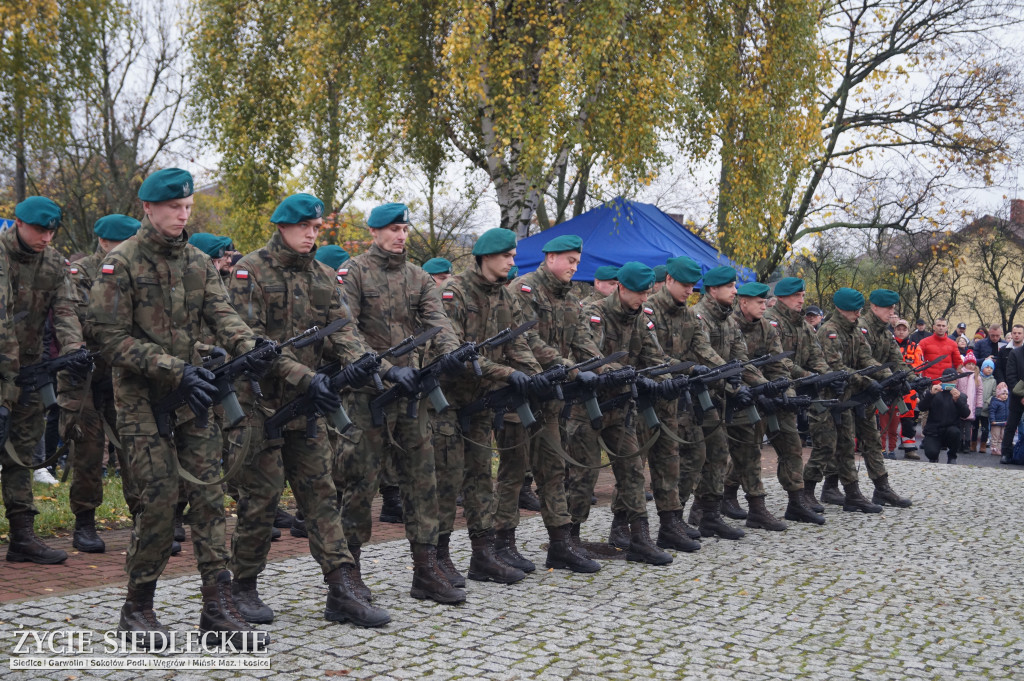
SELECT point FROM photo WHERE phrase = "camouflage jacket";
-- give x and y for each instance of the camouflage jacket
(726, 336)
(680, 333)
(83, 273)
(846, 348)
(8, 340)
(280, 293)
(147, 308)
(762, 339)
(594, 297)
(797, 335)
(883, 344)
(392, 300)
(39, 284)
(479, 309)
(561, 335)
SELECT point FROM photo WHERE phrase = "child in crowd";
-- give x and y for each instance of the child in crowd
(969, 386)
(998, 412)
(988, 391)
(946, 407)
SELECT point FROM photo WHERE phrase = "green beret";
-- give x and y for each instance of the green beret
(636, 276)
(683, 269)
(211, 244)
(296, 208)
(883, 297)
(513, 272)
(116, 227)
(331, 255)
(787, 286)
(753, 289)
(388, 214)
(561, 244)
(437, 266)
(166, 185)
(495, 240)
(606, 273)
(659, 273)
(719, 276)
(848, 299)
(39, 211)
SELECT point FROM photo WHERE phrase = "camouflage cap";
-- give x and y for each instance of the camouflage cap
(683, 269)
(753, 289)
(787, 286)
(719, 276)
(211, 244)
(166, 185)
(561, 244)
(883, 297)
(636, 276)
(437, 266)
(296, 208)
(116, 227)
(331, 255)
(848, 299)
(388, 214)
(39, 211)
(606, 273)
(493, 241)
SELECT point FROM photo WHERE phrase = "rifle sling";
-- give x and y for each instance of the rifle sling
(233, 469)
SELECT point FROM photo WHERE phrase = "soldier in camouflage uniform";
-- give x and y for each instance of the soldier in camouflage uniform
(280, 290)
(683, 338)
(560, 337)
(87, 412)
(8, 353)
(618, 323)
(721, 441)
(392, 299)
(148, 305)
(39, 284)
(605, 281)
(881, 305)
(845, 346)
(796, 335)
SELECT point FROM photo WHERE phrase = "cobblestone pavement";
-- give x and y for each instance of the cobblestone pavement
(930, 592)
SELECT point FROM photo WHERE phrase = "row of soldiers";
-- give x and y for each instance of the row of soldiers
(154, 306)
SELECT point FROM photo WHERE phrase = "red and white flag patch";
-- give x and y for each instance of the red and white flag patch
(525, 289)
(74, 270)
(447, 295)
(343, 271)
(774, 323)
(594, 319)
(107, 269)
(863, 331)
(648, 310)
(241, 274)
(832, 336)
(650, 325)
(340, 280)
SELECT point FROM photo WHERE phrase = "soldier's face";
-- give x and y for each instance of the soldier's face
(301, 237)
(439, 279)
(605, 286)
(723, 295)
(562, 265)
(391, 238)
(883, 313)
(169, 217)
(679, 291)
(794, 301)
(753, 307)
(35, 237)
(495, 267)
(632, 300)
(850, 315)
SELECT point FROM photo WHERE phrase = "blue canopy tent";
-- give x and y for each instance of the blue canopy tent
(620, 231)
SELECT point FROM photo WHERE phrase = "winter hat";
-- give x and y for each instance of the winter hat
(988, 363)
(969, 357)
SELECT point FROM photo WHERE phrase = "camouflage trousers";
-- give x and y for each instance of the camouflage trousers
(585, 448)
(832, 451)
(716, 447)
(154, 468)
(870, 441)
(744, 466)
(692, 455)
(663, 457)
(26, 427)
(307, 464)
(537, 452)
(788, 450)
(414, 466)
(464, 463)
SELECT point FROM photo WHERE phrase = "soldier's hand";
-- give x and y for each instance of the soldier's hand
(647, 384)
(838, 387)
(199, 384)
(403, 376)
(776, 387)
(743, 398)
(588, 378)
(874, 389)
(5, 424)
(79, 364)
(519, 381)
(699, 370)
(324, 399)
(922, 384)
(356, 376)
(451, 365)
(258, 365)
(540, 383)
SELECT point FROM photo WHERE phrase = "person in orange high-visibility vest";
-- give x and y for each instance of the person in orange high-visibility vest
(908, 424)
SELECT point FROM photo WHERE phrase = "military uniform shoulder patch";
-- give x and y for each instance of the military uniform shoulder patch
(343, 271)
(773, 323)
(340, 280)
(594, 319)
(650, 325)
(241, 274)
(525, 288)
(74, 270)
(447, 295)
(832, 336)
(863, 331)
(107, 269)
(648, 310)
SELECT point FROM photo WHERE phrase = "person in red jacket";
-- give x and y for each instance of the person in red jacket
(939, 344)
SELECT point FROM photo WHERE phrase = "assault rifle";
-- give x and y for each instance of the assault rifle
(225, 375)
(698, 385)
(428, 381)
(646, 397)
(771, 406)
(41, 376)
(770, 389)
(896, 386)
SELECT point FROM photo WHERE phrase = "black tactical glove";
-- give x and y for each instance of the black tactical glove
(258, 366)
(520, 381)
(199, 384)
(874, 389)
(5, 424)
(766, 405)
(671, 389)
(355, 376)
(216, 357)
(743, 398)
(776, 387)
(648, 384)
(79, 364)
(405, 377)
(588, 378)
(922, 385)
(838, 387)
(699, 370)
(451, 365)
(540, 383)
(324, 399)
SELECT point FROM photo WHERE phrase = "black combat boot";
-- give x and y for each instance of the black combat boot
(361, 589)
(731, 504)
(428, 579)
(641, 548)
(175, 547)
(576, 544)
(26, 547)
(711, 523)
(760, 518)
(344, 605)
(812, 501)
(562, 556)
(800, 511)
(695, 515)
(885, 496)
(445, 564)
(220, 615)
(179, 522)
(619, 534)
(484, 565)
(528, 499)
(505, 548)
(299, 526)
(275, 533)
(690, 530)
(283, 519)
(671, 534)
(137, 617)
(855, 501)
(391, 508)
(247, 600)
(85, 538)
(830, 493)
